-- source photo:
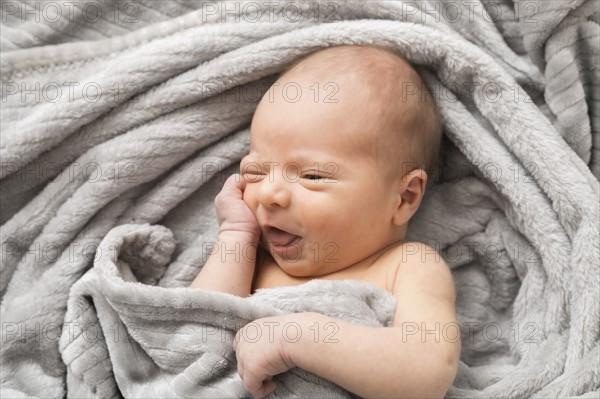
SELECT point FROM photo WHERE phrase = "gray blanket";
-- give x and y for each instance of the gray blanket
(115, 125)
(177, 342)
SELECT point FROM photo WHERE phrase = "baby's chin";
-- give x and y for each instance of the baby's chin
(302, 268)
(296, 267)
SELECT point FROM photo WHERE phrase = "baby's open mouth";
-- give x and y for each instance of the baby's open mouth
(279, 238)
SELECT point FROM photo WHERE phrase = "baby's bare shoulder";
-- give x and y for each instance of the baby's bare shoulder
(422, 284)
(410, 264)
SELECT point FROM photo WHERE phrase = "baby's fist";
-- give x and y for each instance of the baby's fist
(261, 356)
(233, 214)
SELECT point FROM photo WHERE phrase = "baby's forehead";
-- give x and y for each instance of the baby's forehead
(375, 78)
(366, 83)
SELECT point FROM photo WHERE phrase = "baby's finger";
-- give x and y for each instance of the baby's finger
(269, 387)
(240, 369)
(234, 343)
(266, 388)
(234, 186)
(240, 365)
(252, 383)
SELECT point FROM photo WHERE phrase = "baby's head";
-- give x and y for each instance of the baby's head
(339, 148)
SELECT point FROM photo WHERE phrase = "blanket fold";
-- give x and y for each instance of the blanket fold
(116, 134)
(157, 342)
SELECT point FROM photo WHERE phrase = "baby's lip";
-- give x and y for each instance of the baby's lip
(279, 237)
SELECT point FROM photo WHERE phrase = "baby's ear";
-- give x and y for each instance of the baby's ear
(411, 188)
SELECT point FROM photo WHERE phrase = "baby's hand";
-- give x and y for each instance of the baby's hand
(233, 214)
(261, 355)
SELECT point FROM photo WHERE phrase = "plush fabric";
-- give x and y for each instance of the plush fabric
(156, 116)
(179, 340)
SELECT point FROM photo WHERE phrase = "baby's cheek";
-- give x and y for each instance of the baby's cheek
(329, 226)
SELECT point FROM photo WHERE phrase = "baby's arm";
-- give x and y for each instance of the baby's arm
(230, 267)
(400, 361)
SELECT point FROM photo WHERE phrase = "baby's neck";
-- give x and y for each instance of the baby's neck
(373, 269)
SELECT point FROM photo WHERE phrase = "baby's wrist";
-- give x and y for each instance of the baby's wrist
(298, 349)
(245, 230)
(241, 237)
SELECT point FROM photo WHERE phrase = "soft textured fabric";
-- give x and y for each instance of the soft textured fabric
(185, 335)
(513, 209)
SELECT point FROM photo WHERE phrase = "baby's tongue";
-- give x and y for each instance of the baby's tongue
(280, 238)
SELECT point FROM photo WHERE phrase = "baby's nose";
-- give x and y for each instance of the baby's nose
(274, 191)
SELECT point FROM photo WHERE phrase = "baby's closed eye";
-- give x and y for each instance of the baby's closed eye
(312, 176)
(252, 177)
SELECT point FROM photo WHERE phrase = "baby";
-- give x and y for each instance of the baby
(340, 146)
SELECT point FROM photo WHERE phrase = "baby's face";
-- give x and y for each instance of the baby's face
(319, 197)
